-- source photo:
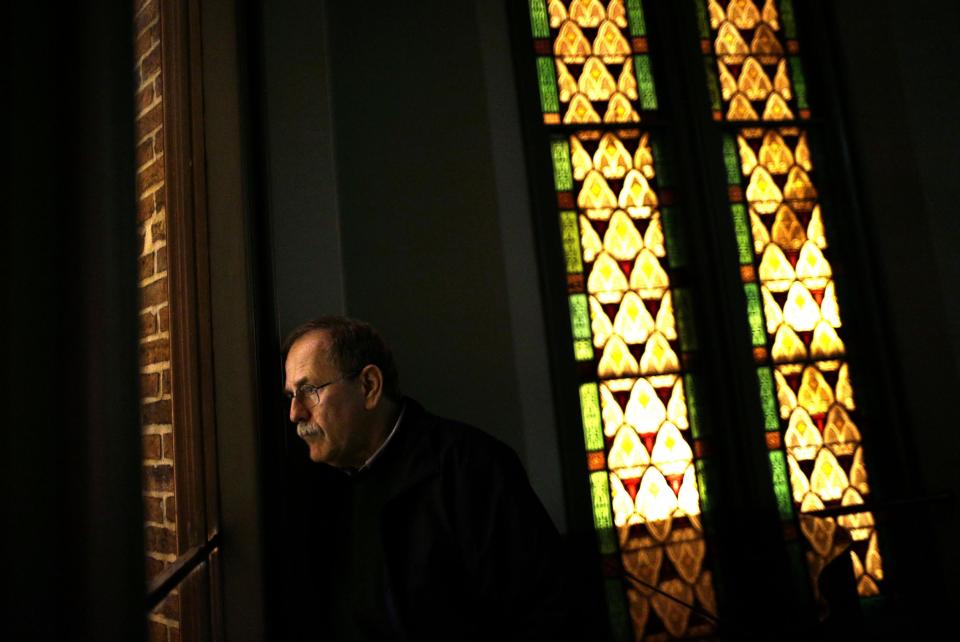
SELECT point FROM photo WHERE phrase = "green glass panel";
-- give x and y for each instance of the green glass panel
(647, 91)
(799, 82)
(768, 397)
(580, 316)
(781, 484)
(713, 84)
(742, 230)
(758, 334)
(602, 516)
(590, 414)
(674, 238)
(562, 174)
(660, 163)
(621, 629)
(731, 160)
(583, 350)
(787, 19)
(702, 485)
(570, 234)
(693, 414)
(685, 323)
(546, 74)
(702, 21)
(638, 25)
(538, 19)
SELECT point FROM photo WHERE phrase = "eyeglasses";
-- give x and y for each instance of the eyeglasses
(309, 395)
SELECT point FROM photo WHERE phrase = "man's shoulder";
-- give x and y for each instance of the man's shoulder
(451, 438)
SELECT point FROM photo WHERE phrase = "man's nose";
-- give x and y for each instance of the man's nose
(297, 411)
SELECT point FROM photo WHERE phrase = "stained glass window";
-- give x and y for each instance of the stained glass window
(811, 422)
(631, 326)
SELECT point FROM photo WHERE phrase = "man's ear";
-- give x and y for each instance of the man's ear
(371, 381)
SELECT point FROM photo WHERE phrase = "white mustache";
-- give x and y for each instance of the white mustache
(306, 429)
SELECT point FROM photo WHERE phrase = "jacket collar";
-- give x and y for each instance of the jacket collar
(412, 454)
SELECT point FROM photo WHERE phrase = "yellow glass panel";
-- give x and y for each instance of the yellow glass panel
(672, 612)
(611, 157)
(666, 324)
(647, 277)
(812, 268)
(815, 395)
(867, 587)
(730, 44)
(653, 237)
(815, 229)
(781, 81)
(558, 13)
(785, 397)
(579, 158)
(775, 155)
(759, 232)
(617, 13)
(818, 531)
(606, 277)
(771, 310)
(671, 452)
(787, 231)
(587, 13)
(763, 193)
(728, 84)
(741, 109)
(623, 506)
(658, 356)
(828, 480)
(841, 433)
(717, 15)
(616, 360)
(844, 389)
(600, 324)
(857, 565)
(775, 270)
(627, 83)
(798, 481)
(627, 450)
(743, 14)
(581, 111)
(655, 499)
(705, 594)
(798, 185)
(565, 81)
(636, 196)
(645, 411)
(633, 321)
(825, 343)
(777, 109)
(753, 81)
(803, 153)
(802, 439)
(688, 499)
(874, 566)
(748, 160)
(610, 410)
(770, 16)
(620, 110)
(571, 45)
(858, 473)
(589, 240)
(610, 43)
(643, 158)
(595, 193)
(787, 346)
(622, 240)
(828, 306)
(596, 83)
(677, 406)
(801, 310)
(765, 43)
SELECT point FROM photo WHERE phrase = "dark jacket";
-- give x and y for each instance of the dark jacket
(465, 547)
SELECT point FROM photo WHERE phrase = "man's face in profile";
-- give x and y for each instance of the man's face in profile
(331, 418)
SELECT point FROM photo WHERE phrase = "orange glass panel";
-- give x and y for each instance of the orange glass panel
(610, 44)
(570, 44)
(743, 14)
(753, 81)
(587, 13)
(581, 111)
(620, 110)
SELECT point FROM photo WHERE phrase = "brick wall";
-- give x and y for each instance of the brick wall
(156, 413)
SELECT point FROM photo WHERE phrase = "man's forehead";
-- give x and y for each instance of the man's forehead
(309, 352)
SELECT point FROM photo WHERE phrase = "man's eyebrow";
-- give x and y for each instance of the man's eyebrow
(296, 386)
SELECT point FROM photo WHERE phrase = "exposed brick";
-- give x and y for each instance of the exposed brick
(153, 566)
(142, 233)
(152, 119)
(160, 199)
(174, 634)
(148, 326)
(153, 509)
(164, 314)
(159, 230)
(152, 449)
(158, 143)
(144, 153)
(150, 384)
(161, 540)
(168, 452)
(155, 412)
(170, 607)
(149, 176)
(147, 266)
(162, 259)
(147, 39)
(158, 478)
(170, 509)
(147, 15)
(156, 351)
(165, 381)
(157, 631)
(146, 208)
(150, 64)
(154, 294)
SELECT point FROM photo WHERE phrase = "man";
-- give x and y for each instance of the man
(433, 529)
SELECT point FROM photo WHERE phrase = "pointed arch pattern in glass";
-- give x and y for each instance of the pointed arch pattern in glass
(816, 454)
